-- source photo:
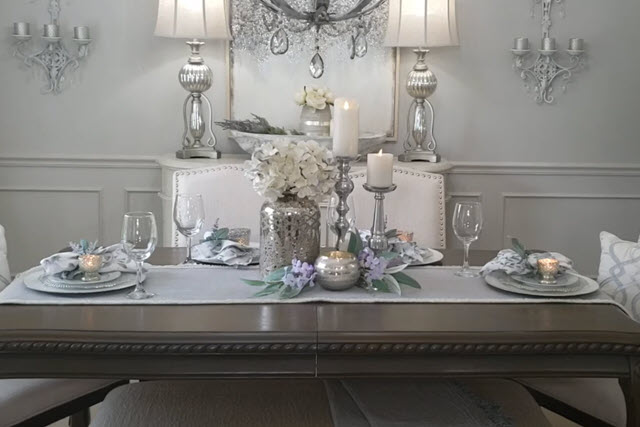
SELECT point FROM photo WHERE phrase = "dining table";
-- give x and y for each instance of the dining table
(323, 340)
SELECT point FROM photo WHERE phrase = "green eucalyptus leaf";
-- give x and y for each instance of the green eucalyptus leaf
(518, 247)
(269, 290)
(389, 255)
(276, 275)
(355, 243)
(405, 279)
(287, 292)
(254, 282)
(380, 285)
(395, 269)
(393, 284)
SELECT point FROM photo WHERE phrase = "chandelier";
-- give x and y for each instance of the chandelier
(283, 18)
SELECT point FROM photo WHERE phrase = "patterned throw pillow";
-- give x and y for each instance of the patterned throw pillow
(5, 277)
(619, 273)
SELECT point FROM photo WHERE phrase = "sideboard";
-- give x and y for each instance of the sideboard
(169, 164)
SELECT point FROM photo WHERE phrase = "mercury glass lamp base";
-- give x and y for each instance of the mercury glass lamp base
(419, 156)
(200, 152)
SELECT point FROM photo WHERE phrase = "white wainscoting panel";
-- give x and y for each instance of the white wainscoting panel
(145, 199)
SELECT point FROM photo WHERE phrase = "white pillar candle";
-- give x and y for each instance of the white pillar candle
(576, 44)
(51, 30)
(548, 43)
(521, 43)
(380, 170)
(21, 29)
(81, 33)
(346, 127)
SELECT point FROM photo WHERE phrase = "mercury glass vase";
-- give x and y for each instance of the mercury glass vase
(289, 228)
(315, 122)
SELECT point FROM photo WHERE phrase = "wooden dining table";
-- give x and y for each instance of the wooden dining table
(323, 340)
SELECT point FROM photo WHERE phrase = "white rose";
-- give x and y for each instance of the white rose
(300, 97)
(321, 91)
(315, 101)
(330, 97)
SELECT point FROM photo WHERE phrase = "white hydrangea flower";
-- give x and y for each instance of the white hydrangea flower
(304, 168)
(312, 96)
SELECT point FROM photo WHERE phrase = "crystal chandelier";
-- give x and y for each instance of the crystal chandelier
(283, 18)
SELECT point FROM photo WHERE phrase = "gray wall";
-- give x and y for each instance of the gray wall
(71, 164)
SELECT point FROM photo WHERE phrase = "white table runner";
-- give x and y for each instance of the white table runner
(223, 285)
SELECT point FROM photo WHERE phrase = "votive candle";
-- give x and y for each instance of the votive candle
(81, 33)
(548, 269)
(21, 29)
(51, 30)
(380, 170)
(346, 127)
(548, 43)
(521, 43)
(576, 44)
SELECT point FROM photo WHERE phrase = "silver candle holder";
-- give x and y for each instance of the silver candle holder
(344, 187)
(55, 59)
(379, 241)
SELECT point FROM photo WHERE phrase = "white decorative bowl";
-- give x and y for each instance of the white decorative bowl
(367, 143)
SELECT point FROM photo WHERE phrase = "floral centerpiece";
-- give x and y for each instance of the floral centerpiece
(315, 118)
(293, 177)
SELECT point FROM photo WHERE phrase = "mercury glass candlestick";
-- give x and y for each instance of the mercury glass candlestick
(90, 265)
(379, 241)
(548, 269)
(337, 270)
(343, 188)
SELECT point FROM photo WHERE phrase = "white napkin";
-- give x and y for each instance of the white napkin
(511, 262)
(66, 263)
(409, 252)
(224, 251)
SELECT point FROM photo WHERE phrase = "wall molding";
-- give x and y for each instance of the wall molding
(546, 169)
(102, 162)
(128, 191)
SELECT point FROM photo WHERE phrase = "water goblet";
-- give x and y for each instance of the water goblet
(467, 224)
(188, 215)
(139, 240)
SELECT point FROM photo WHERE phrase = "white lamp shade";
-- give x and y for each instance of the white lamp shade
(193, 19)
(422, 23)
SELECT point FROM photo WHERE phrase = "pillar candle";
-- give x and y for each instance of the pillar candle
(346, 127)
(521, 43)
(380, 170)
(576, 44)
(21, 29)
(81, 33)
(548, 43)
(51, 30)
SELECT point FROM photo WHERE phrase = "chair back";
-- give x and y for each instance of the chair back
(5, 276)
(417, 205)
(227, 194)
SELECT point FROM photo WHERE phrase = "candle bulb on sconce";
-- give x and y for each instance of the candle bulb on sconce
(521, 43)
(576, 44)
(51, 31)
(81, 33)
(21, 29)
(548, 43)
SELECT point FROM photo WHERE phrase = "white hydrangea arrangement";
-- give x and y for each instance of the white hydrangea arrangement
(314, 97)
(302, 168)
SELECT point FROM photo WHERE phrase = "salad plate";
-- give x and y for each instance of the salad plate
(37, 281)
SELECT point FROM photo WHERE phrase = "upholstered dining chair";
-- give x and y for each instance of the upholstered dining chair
(44, 401)
(227, 194)
(417, 205)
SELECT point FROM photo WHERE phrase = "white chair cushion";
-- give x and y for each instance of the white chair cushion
(417, 205)
(227, 194)
(601, 398)
(23, 399)
(619, 273)
(282, 403)
(5, 276)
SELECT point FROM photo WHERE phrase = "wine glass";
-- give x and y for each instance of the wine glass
(139, 240)
(467, 224)
(188, 215)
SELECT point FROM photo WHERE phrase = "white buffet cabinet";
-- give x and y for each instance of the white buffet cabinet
(169, 164)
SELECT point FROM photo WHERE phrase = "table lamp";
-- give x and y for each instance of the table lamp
(421, 24)
(195, 20)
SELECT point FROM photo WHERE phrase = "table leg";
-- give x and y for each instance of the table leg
(631, 388)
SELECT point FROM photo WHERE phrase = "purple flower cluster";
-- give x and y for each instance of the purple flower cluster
(299, 275)
(373, 266)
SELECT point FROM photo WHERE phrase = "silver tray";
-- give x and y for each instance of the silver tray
(501, 280)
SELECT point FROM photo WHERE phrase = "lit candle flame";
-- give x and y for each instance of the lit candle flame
(380, 152)
(346, 105)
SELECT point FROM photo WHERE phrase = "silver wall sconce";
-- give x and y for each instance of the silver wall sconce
(541, 74)
(54, 59)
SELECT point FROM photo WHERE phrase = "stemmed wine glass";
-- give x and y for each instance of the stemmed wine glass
(467, 224)
(139, 240)
(188, 215)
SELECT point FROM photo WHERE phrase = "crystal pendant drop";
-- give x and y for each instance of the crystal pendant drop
(279, 42)
(316, 66)
(360, 45)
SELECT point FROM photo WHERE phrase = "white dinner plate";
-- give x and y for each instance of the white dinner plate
(37, 281)
(502, 281)
(433, 257)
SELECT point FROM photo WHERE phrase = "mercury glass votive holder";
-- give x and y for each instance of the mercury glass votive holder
(240, 235)
(337, 270)
(548, 269)
(90, 265)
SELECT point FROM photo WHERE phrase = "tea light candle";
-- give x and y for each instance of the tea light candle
(346, 127)
(81, 33)
(380, 170)
(548, 43)
(521, 43)
(576, 44)
(21, 29)
(51, 30)
(548, 269)
(90, 264)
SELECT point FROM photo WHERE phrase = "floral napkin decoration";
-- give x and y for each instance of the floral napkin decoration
(521, 261)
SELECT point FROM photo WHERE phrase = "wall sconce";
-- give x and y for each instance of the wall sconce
(545, 70)
(54, 59)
